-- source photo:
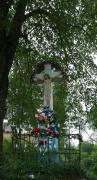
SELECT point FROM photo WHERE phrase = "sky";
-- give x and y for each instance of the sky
(95, 59)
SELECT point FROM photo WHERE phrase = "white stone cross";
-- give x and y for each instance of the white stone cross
(47, 75)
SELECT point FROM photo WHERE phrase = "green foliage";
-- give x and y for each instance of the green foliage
(24, 97)
(59, 31)
(92, 115)
(60, 101)
(62, 31)
(20, 165)
(89, 159)
(17, 165)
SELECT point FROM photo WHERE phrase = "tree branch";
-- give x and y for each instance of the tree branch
(4, 7)
(35, 12)
(15, 30)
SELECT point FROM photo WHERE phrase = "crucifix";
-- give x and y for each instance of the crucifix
(47, 76)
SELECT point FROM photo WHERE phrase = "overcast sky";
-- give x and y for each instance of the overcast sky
(95, 59)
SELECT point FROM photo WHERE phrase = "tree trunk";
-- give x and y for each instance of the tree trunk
(3, 95)
(8, 45)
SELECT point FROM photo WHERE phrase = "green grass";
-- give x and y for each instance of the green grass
(17, 165)
(7, 136)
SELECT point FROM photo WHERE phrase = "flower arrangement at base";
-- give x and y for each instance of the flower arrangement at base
(41, 117)
(35, 131)
(52, 132)
(47, 132)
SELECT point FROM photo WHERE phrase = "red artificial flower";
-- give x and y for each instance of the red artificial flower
(35, 131)
(41, 142)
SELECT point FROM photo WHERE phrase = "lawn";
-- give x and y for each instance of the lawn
(18, 165)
